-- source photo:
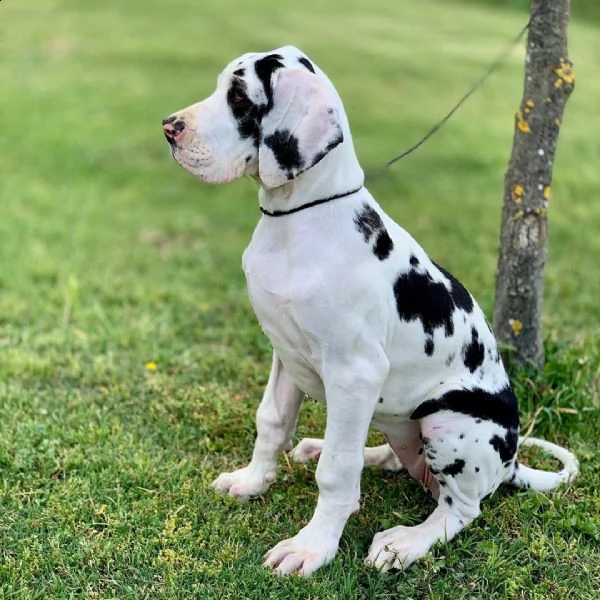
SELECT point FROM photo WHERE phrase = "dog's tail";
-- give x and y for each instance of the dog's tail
(543, 481)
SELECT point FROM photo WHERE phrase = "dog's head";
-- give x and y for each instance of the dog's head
(273, 116)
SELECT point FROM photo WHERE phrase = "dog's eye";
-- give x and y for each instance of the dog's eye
(238, 97)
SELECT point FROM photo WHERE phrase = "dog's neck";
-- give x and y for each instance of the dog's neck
(336, 174)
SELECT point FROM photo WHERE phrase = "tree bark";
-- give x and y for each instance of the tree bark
(549, 80)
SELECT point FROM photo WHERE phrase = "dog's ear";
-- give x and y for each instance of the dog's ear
(300, 129)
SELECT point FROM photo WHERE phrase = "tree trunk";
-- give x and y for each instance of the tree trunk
(549, 80)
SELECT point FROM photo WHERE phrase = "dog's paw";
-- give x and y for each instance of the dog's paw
(307, 449)
(244, 483)
(302, 555)
(397, 548)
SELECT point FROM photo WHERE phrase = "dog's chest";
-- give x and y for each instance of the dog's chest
(279, 288)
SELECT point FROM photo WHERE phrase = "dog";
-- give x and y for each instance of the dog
(358, 316)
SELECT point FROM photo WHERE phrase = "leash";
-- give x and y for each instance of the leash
(500, 60)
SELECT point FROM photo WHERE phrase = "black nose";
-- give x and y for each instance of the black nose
(172, 128)
(178, 127)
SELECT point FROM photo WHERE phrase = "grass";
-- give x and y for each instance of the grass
(113, 259)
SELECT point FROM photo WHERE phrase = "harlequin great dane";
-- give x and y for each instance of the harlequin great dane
(359, 317)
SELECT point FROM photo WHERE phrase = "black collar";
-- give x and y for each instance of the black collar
(281, 213)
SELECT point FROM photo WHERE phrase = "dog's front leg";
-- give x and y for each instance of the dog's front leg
(352, 392)
(275, 423)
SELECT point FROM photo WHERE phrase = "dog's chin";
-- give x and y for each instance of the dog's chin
(211, 174)
(216, 178)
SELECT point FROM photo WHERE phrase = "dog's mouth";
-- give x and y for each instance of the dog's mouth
(172, 141)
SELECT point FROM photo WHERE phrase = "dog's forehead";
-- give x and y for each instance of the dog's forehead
(249, 64)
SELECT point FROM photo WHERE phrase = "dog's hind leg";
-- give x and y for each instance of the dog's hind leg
(468, 458)
(377, 456)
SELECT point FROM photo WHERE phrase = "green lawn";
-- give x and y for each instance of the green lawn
(112, 258)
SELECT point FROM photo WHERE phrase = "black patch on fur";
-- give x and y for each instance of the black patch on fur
(264, 69)
(286, 150)
(245, 112)
(383, 245)
(448, 500)
(476, 469)
(455, 468)
(461, 436)
(506, 447)
(429, 346)
(420, 451)
(499, 407)
(441, 482)
(369, 223)
(240, 72)
(419, 297)
(473, 353)
(460, 295)
(380, 400)
(306, 63)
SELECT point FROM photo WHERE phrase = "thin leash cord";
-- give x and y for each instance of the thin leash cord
(493, 67)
